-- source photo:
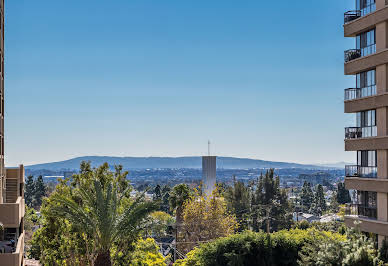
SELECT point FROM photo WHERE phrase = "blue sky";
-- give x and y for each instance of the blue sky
(260, 79)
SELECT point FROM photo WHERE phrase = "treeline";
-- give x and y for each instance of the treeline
(313, 200)
(35, 190)
(260, 205)
(94, 218)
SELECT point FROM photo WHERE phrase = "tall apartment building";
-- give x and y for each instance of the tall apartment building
(368, 102)
(11, 187)
(209, 175)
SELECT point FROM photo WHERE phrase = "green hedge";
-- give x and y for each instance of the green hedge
(249, 248)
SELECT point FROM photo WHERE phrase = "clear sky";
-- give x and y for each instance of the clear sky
(260, 79)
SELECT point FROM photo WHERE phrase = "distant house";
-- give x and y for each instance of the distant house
(329, 218)
(149, 196)
(300, 216)
(329, 194)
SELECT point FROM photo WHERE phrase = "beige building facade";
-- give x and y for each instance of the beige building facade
(11, 187)
(368, 102)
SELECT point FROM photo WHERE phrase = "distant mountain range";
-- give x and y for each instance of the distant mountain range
(335, 165)
(169, 162)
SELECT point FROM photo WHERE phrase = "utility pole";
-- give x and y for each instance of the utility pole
(176, 241)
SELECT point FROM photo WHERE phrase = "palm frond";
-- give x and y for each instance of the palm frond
(70, 210)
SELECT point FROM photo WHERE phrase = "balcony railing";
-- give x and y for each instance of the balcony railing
(12, 213)
(353, 132)
(361, 210)
(351, 15)
(15, 258)
(360, 132)
(352, 54)
(361, 171)
(357, 93)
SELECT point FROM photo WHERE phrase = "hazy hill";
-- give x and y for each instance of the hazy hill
(335, 165)
(167, 162)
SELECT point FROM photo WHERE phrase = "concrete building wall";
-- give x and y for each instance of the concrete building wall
(381, 119)
(379, 61)
(209, 166)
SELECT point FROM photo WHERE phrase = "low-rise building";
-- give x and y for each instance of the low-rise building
(300, 216)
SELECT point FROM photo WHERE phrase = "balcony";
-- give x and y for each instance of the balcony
(360, 132)
(367, 184)
(367, 143)
(360, 171)
(15, 258)
(12, 213)
(358, 93)
(351, 15)
(367, 224)
(360, 210)
(365, 102)
(364, 63)
(352, 54)
(367, 19)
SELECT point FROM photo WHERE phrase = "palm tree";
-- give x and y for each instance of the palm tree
(178, 196)
(97, 212)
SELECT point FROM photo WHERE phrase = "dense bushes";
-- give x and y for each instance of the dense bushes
(384, 251)
(286, 247)
(249, 248)
(145, 252)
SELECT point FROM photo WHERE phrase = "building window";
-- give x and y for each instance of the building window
(367, 158)
(366, 83)
(366, 120)
(366, 6)
(367, 164)
(367, 204)
(366, 42)
(367, 198)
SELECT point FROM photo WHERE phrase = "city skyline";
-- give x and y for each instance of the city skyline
(160, 79)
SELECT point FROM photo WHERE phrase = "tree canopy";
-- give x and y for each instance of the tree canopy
(286, 247)
(35, 190)
(343, 195)
(205, 219)
(90, 219)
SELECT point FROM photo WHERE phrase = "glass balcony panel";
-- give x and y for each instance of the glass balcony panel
(367, 132)
(361, 171)
(357, 93)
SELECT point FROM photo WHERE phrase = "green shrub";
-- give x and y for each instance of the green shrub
(249, 248)
(355, 250)
(301, 225)
(383, 255)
